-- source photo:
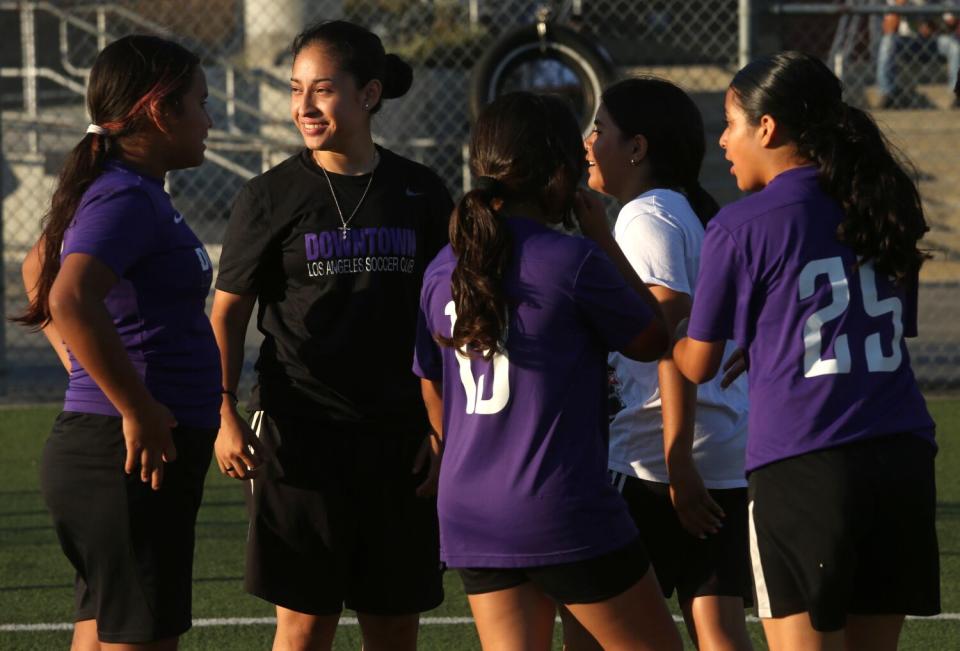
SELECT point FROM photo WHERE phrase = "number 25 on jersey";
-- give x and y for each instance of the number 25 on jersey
(813, 363)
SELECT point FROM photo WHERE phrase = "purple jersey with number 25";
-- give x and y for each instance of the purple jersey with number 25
(524, 475)
(824, 338)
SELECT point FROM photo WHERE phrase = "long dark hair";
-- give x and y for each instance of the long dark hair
(132, 82)
(359, 52)
(524, 148)
(666, 116)
(858, 167)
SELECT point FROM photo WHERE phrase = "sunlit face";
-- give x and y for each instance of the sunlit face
(325, 103)
(187, 126)
(608, 155)
(743, 146)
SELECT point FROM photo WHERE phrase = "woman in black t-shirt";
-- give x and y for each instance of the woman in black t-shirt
(332, 245)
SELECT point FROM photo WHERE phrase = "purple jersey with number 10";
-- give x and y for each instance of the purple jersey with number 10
(524, 475)
(824, 338)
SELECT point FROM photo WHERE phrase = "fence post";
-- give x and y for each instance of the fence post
(745, 45)
(3, 274)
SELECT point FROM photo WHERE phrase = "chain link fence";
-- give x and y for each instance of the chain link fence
(898, 70)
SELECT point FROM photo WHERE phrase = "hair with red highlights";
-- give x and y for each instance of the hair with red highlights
(132, 82)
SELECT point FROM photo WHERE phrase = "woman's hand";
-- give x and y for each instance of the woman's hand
(431, 451)
(591, 216)
(146, 433)
(697, 511)
(238, 451)
(734, 367)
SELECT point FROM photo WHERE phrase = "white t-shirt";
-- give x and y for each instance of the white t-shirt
(661, 237)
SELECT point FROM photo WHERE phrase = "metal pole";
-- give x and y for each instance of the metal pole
(3, 276)
(101, 28)
(824, 8)
(231, 92)
(29, 49)
(474, 10)
(745, 45)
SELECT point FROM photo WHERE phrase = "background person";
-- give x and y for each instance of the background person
(907, 41)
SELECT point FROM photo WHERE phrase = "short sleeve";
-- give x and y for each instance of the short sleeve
(117, 229)
(427, 358)
(613, 309)
(244, 244)
(721, 307)
(656, 250)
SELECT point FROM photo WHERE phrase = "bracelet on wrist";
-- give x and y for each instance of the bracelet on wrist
(230, 393)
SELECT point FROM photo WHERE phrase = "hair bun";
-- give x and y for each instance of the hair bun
(397, 76)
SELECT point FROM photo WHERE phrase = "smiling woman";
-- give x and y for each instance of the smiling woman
(332, 244)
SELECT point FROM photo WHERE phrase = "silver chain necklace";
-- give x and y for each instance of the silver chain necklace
(344, 227)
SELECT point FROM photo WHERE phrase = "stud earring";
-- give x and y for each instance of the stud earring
(366, 106)
(634, 162)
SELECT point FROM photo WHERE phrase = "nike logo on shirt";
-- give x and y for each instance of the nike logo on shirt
(177, 218)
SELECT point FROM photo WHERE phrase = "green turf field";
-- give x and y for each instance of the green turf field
(36, 580)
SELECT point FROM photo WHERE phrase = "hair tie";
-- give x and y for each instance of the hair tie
(489, 184)
(100, 131)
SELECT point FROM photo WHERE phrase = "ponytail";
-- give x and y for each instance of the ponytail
(483, 245)
(702, 202)
(883, 213)
(862, 171)
(83, 165)
(526, 149)
(131, 82)
(671, 123)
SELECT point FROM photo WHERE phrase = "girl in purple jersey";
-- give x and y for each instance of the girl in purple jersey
(815, 275)
(117, 283)
(515, 325)
(676, 453)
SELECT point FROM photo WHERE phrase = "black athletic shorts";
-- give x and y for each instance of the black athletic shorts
(132, 547)
(335, 521)
(718, 565)
(848, 530)
(581, 582)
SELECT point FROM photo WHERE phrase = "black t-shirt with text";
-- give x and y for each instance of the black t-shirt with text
(338, 313)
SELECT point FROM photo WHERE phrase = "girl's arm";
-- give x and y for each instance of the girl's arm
(30, 270)
(697, 511)
(432, 392)
(650, 344)
(698, 360)
(237, 448)
(76, 306)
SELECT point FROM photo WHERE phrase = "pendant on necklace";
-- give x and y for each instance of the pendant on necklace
(343, 231)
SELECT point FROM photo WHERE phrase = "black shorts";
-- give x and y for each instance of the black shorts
(718, 565)
(581, 582)
(848, 530)
(335, 521)
(132, 547)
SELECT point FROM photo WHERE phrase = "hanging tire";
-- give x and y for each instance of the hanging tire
(563, 62)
